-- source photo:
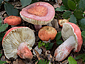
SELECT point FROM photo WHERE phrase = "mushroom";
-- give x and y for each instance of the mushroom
(47, 33)
(71, 35)
(39, 13)
(61, 21)
(18, 41)
(12, 20)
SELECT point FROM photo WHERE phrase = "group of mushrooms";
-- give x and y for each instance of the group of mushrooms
(18, 41)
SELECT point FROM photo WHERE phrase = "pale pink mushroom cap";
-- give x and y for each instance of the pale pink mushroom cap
(18, 40)
(36, 19)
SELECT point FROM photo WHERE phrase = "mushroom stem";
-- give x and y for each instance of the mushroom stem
(37, 27)
(24, 52)
(64, 49)
(47, 41)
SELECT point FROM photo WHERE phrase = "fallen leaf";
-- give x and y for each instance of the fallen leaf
(56, 5)
(18, 61)
(55, 23)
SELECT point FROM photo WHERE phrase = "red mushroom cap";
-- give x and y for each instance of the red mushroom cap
(46, 33)
(39, 13)
(12, 20)
(76, 32)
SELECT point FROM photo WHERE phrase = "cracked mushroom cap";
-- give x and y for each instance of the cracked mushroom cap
(47, 33)
(39, 13)
(12, 20)
(14, 37)
(71, 29)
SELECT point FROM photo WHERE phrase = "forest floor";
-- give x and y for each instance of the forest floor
(45, 52)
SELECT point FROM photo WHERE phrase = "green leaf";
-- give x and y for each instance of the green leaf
(78, 14)
(48, 46)
(71, 60)
(10, 9)
(62, 8)
(1, 2)
(2, 62)
(65, 3)
(39, 44)
(0, 55)
(33, 1)
(82, 4)
(7, 0)
(66, 14)
(83, 34)
(43, 43)
(25, 2)
(43, 61)
(0, 20)
(59, 42)
(3, 27)
(1, 36)
(77, 1)
(82, 24)
(58, 36)
(73, 19)
(81, 56)
(71, 4)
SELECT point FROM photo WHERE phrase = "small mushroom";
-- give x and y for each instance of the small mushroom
(71, 35)
(12, 20)
(18, 41)
(62, 21)
(39, 13)
(47, 33)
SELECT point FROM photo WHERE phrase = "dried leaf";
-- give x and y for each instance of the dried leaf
(18, 61)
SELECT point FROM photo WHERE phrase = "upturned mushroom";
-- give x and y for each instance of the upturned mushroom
(39, 13)
(18, 41)
(47, 33)
(62, 21)
(71, 35)
(12, 20)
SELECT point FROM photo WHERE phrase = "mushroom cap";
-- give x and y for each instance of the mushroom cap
(62, 21)
(14, 37)
(46, 33)
(39, 13)
(71, 29)
(12, 20)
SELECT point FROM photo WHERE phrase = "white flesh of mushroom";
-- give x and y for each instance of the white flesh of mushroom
(70, 42)
(68, 31)
(15, 38)
(65, 48)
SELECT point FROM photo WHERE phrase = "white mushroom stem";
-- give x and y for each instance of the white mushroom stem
(47, 41)
(23, 51)
(64, 49)
(37, 27)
